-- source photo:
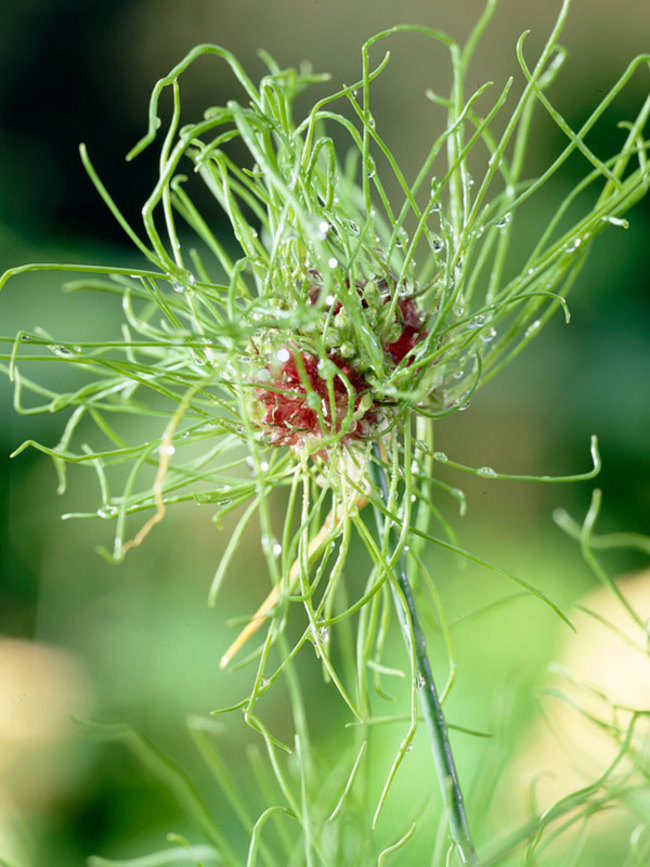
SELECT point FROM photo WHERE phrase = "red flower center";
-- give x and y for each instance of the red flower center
(302, 400)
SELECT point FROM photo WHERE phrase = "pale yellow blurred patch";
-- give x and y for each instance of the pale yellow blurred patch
(41, 688)
(604, 674)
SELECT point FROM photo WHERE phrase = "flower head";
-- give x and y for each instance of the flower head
(307, 397)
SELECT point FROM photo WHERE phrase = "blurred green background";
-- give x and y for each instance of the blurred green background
(142, 645)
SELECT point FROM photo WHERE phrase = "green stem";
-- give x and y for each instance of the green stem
(432, 709)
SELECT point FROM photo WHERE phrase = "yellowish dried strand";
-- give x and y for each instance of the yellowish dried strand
(265, 609)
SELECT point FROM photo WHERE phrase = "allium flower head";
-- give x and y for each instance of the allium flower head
(305, 397)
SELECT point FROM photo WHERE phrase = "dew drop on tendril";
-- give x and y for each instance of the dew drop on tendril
(61, 351)
(401, 238)
(616, 221)
(532, 328)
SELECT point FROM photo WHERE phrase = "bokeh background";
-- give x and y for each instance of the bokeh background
(137, 642)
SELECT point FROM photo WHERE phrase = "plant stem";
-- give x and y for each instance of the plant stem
(432, 709)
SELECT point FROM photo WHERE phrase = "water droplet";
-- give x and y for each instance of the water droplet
(503, 221)
(401, 237)
(107, 511)
(572, 246)
(459, 374)
(264, 465)
(486, 472)
(440, 456)
(531, 271)
(616, 221)
(372, 168)
(470, 181)
(347, 349)
(326, 368)
(532, 328)
(437, 244)
(61, 351)
(270, 545)
(222, 495)
(177, 286)
(314, 401)
(476, 321)
(324, 634)
(419, 680)
(283, 355)
(464, 406)
(166, 449)
(353, 227)
(329, 300)
(264, 682)
(323, 228)
(191, 279)
(488, 336)
(332, 262)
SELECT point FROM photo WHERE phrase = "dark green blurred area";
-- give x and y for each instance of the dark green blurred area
(145, 643)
